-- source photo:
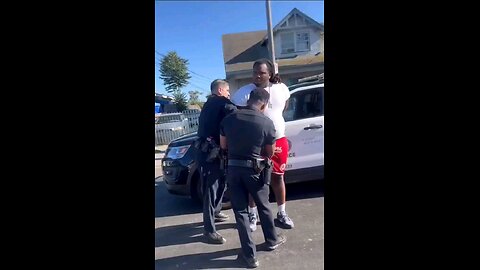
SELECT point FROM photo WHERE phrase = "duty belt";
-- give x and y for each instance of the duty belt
(240, 163)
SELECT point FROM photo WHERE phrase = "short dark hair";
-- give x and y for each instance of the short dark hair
(258, 95)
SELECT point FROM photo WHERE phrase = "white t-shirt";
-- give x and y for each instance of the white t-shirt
(279, 94)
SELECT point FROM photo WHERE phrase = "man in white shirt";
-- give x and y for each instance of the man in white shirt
(263, 76)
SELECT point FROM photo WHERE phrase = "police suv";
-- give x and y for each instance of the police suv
(304, 129)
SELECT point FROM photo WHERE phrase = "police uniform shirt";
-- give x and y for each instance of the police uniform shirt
(213, 111)
(247, 132)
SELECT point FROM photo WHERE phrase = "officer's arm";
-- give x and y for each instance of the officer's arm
(223, 142)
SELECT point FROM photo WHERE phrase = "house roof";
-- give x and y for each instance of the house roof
(243, 47)
(296, 11)
(241, 50)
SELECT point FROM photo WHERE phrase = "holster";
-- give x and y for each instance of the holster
(264, 168)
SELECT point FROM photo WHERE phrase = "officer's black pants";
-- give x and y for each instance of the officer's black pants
(213, 190)
(241, 182)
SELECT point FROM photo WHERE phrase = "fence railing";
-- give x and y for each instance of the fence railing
(175, 125)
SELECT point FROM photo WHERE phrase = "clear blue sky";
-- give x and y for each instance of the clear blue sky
(194, 30)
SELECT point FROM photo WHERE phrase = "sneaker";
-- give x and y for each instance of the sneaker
(215, 238)
(283, 221)
(221, 217)
(252, 217)
(281, 239)
(251, 262)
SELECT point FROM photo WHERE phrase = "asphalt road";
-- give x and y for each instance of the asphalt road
(179, 243)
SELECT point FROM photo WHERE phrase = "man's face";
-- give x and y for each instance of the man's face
(261, 75)
(224, 90)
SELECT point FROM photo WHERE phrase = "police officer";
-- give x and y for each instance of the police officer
(214, 110)
(248, 136)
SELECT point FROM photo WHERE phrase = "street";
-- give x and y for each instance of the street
(179, 242)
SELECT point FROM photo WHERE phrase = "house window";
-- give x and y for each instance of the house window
(295, 42)
(303, 42)
(288, 43)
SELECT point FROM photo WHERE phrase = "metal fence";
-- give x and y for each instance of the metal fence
(174, 125)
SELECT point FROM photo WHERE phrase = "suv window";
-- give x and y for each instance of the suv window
(304, 104)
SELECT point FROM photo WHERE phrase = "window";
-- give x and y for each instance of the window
(303, 42)
(305, 104)
(295, 42)
(288, 43)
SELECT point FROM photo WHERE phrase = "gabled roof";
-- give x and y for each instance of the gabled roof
(294, 11)
(242, 47)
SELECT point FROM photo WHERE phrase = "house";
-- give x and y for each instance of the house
(299, 51)
(161, 101)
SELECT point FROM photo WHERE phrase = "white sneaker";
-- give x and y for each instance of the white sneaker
(252, 217)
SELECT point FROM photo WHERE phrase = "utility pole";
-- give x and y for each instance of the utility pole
(271, 46)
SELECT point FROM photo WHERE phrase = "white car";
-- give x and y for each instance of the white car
(304, 128)
(170, 122)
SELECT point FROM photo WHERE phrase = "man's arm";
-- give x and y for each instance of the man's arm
(269, 140)
(268, 150)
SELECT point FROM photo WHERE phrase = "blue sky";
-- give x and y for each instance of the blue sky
(194, 30)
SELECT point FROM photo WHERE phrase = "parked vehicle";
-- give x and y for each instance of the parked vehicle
(170, 126)
(180, 171)
(304, 131)
(170, 122)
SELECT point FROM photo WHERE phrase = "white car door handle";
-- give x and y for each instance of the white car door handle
(313, 127)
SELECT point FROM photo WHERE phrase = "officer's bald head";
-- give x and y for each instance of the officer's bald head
(259, 97)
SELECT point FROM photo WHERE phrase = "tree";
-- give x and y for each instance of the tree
(194, 97)
(174, 73)
(180, 101)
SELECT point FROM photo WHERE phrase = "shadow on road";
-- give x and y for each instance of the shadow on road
(185, 233)
(305, 190)
(210, 260)
(167, 204)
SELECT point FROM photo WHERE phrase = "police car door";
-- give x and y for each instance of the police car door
(304, 127)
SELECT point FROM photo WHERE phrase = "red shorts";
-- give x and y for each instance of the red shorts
(279, 159)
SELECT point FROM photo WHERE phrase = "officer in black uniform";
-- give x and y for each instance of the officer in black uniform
(248, 137)
(214, 110)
